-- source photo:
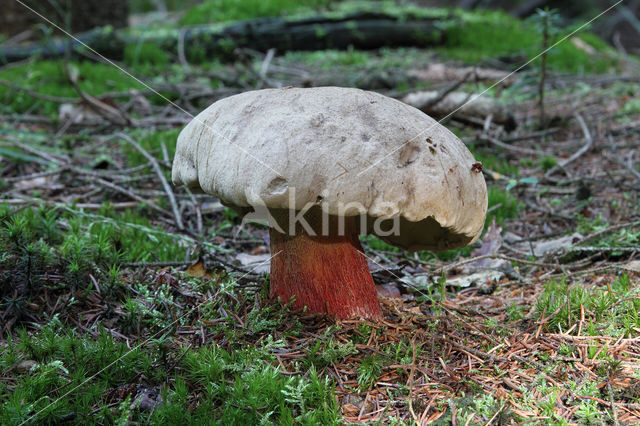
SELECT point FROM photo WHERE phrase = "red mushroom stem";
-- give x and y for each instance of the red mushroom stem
(326, 272)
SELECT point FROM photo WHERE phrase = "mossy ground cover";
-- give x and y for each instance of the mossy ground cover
(231, 10)
(109, 313)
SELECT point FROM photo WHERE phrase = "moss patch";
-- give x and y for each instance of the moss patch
(492, 34)
(233, 10)
(50, 78)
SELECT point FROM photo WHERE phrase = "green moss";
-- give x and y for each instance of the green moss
(504, 204)
(61, 361)
(36, 241)
(492, 34)
(242, 387)
(547, 162)
(234, 10)
(611, 310)
(393, 8)
(145, 6)
(75, 373)
(50, 78)
(145, 53)
(632, 106)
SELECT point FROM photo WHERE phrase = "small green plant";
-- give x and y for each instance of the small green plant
(246, 379)
(145, 54)
(611, 313)
(504, 204)
(545, 21)
(589, 412)
(325, 353)
(547, 162)
(369, 370)
(59, 249)
(515, 312)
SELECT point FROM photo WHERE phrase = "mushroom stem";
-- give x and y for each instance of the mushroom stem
(326, 272)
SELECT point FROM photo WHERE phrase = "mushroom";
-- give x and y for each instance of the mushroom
(328, 164)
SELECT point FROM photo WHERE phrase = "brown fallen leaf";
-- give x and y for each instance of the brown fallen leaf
(350, 410)
(260, 250)
(198, 270)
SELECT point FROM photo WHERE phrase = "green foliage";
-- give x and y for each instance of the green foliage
(327, 352)
(515, 312)
(493, 162)
(402, 352)
(589, 412)
(145, 54)
(234, 10)
(236, 387)
(472, 407)
(547, 162)
(494, 34)
(623, 237)
(612, 313)
(504, 204)
(589, 225)
(49, 78)
(70, 246)
(632, 106)
(60, 361)
(145, 6)
(369, 370)
(243, 387)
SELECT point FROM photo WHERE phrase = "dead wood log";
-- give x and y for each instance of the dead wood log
(444, 72)
(468, 104)
(362, 30)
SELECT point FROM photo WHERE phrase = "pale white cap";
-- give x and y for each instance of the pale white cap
(337, 147)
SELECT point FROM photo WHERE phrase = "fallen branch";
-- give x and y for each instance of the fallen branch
(586, 147)
(163, 180)
(469, 104)
(133, 195)
(362, 30)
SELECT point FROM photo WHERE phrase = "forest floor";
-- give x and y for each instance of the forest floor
(125, 299)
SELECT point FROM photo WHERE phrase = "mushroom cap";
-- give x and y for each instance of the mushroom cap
(351, 151)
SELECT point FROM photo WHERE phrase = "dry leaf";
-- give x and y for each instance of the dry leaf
(198, 270)
(350, 410)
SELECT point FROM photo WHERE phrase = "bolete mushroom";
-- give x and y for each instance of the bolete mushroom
(327, 164)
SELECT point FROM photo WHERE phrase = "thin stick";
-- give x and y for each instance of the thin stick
(163, 180)
(586, 147)
(497, 142)
(133, 195)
